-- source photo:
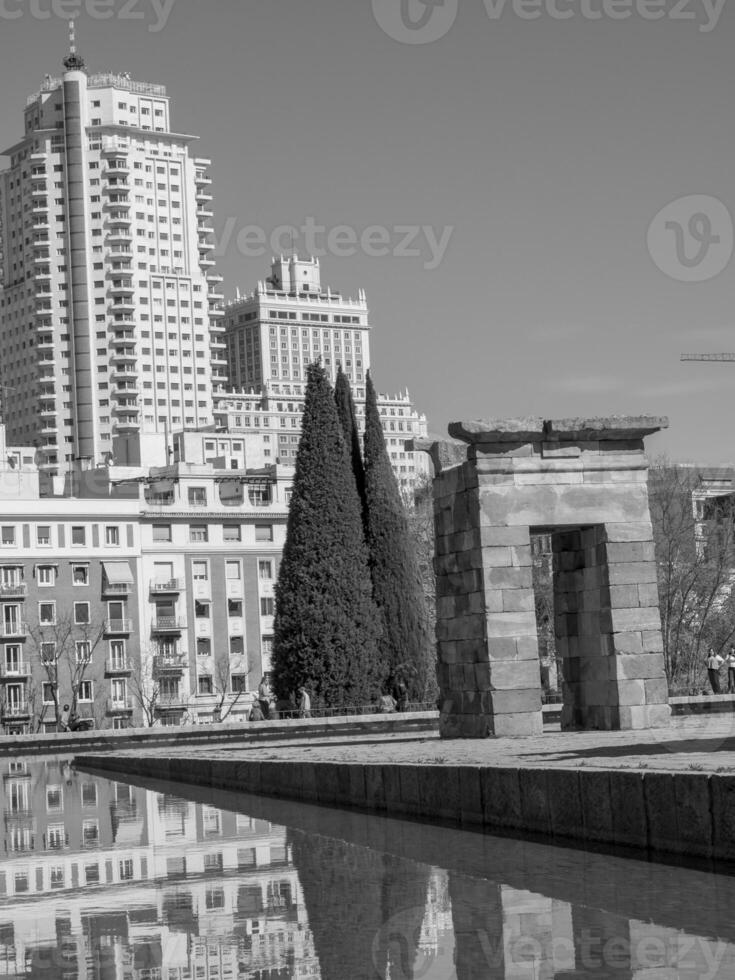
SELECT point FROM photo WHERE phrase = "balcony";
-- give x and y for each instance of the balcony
(15, 670)
(171, 702)
(17, 590)
(118, 706)
(118, 665)
(117, 588)
(168, 624)
(122, 287)
(207, 263)
(16, 629)
(129, 423)
(121, 168)
(170, 585)
(168, 664)
(14, 710)
(118, 626)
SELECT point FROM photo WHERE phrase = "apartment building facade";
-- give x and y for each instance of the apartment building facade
(147, 598)
(110, 306)
(272, 336)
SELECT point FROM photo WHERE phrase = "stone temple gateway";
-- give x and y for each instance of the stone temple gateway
(584, 481)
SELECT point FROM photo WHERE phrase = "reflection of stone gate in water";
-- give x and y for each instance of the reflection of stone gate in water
(585, 482)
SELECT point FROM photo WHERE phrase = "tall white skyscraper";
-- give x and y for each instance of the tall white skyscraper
(110, 307)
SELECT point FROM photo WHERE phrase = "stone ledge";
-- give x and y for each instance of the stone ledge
(660, 813)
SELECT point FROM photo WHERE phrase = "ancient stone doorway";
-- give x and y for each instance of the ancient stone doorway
(585, 481)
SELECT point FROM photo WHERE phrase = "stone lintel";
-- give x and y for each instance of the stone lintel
(444, 453)
(612, 428)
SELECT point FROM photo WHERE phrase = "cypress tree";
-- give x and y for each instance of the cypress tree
(408, 646)
(326, 628)
(347, 418)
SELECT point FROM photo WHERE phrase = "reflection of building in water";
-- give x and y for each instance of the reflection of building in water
(102, 879)
(437, 923)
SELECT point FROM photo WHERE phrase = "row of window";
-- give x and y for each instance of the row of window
(9, 535)
(199, 533)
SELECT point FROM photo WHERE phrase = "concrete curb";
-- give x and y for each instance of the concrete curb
(415, 723)
(682, 814)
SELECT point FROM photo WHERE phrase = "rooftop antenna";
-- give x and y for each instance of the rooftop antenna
(73, 62)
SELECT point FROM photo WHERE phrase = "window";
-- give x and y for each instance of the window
(78, 535)
(112, 535)
(80, 574)
(81, 613)
(239, 683)
(89, 794)
(267, 606)
(117, 653)
(204, 647)
(46, 575)
(43, 535)
(232, 570)
(234, 607)
(48, 693)
(198, 532)
(231, 532)
(48, 652)
(47, 613)
(90, 833)
(85, 691)
(197, 496)
(8, 535)
(54, 799)
(126, 869)
(92, 874)
(237, 646)
(119, 691)
(265, 570)
(200, 571)
(161, 532)
(83, 651)
(201, 609)
(263, 532)
(205, 684)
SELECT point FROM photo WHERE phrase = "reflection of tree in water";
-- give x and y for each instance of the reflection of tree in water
(365, 908)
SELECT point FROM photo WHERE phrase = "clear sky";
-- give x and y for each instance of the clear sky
(546, 146)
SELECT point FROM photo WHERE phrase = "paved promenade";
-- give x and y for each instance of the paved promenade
(698, 744)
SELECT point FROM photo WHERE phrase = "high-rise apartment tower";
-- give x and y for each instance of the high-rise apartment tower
(110, 307)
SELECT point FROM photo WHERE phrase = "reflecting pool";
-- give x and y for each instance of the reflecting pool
(104, 879)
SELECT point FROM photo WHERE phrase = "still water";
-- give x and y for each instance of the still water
(102, 879)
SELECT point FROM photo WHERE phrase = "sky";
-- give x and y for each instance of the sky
(539, 209)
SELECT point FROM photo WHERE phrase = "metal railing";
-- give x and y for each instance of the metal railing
(170, 585)
(16, 591)
(118, 626)
(163, 623)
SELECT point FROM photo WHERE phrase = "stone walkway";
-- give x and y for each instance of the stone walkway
(692, 743)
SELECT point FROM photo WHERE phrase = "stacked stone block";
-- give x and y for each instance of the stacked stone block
(587, 480)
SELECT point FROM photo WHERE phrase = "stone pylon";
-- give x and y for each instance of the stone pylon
(584, 481)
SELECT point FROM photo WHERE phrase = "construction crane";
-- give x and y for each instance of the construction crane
(707, 357)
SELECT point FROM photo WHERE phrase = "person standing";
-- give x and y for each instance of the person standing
(714, 662)
(731, 671)
(265, 696)
(304, 703)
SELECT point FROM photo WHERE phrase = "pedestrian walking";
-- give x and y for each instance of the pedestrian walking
(265, 696)
(714, 662)
(304, 703)
(731, 671)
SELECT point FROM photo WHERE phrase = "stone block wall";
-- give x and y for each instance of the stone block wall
(585, 480)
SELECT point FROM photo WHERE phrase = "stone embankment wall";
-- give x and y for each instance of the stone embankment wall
(691, 814)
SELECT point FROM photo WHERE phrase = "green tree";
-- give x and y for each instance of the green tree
(326, 629)
(348, 421)
(408, 646)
